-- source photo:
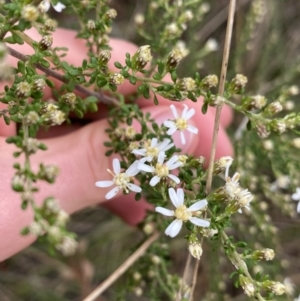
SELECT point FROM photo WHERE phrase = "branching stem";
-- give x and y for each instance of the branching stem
(100, 96)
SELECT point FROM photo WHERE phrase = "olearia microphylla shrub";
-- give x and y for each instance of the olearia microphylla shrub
(145, 161)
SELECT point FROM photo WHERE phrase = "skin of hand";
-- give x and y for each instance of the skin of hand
(79, 152)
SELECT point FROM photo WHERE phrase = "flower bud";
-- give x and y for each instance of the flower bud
(111, 14)
(116, 79)
(46, 42)
(238, 82)
(296, 143)
(50, 24)
(209, 82)
(278, 126)
(30, 13)
(139, 19)
(68, 246)
(69, 99)
(31, 118)
(130, 132)
(39, 84)
(274, 287)
(91, 25)
(255, 102)
(141, 57)
(247, 285)
(195, 250)
(104, 57)
(174, 57)
(273, 108)
(265, 254)
(23, 89)
(186, 84)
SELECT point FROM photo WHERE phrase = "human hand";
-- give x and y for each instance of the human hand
(79, 153)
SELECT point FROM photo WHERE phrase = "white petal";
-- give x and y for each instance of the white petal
(132, 169)
(112, 193)
(171, 130)
(169, 124)
(59, 7)
(145, 167)
(172, 161)
(141, 152)
(199, 222)
(189, 114)
(295, 196)
(44, 5)
(298, 208)
(164, 211)
(145, 159)
(134, 187)
(164, 146)
(174, 111)
(197, 206)
(161, 157)
(174, 178)
(174, 228)
(185, 108)
(180, 196)
(192, 129)
(154, 180)
(116, 166)
(154, 142)
(182, 137)
(173, 197)
(175, 165)
(104, 183)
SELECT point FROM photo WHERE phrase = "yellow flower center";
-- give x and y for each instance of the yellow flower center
(152, 151)
(182, 213)
(181, 123)
(161, 170)
(121, 180)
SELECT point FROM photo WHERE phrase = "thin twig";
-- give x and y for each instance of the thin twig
(228, 37)
(122, 268)
(185, 274)
(100, 96)
(229, 29)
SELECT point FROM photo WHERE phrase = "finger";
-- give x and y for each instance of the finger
(78, 52)
(80, 156)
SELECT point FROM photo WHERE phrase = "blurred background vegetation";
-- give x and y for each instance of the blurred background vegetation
(266, 49)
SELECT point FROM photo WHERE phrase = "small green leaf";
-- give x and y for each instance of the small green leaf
(204, 108)
(132, 79)
(249, 125)
(138, 196)
(45, 63)
(157, 76)
(79, 113)
(6, 119)
(118, 65)
(192, 97)
(174, 76)
(155, 100)
(146, 93)
(49, 83)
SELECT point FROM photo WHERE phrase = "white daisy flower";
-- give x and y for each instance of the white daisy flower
(44, 6)
(152, 149)
(182, 213)
(122, 180)
(241, 197)
(161, 169)
(296, 197)
(181, 123)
